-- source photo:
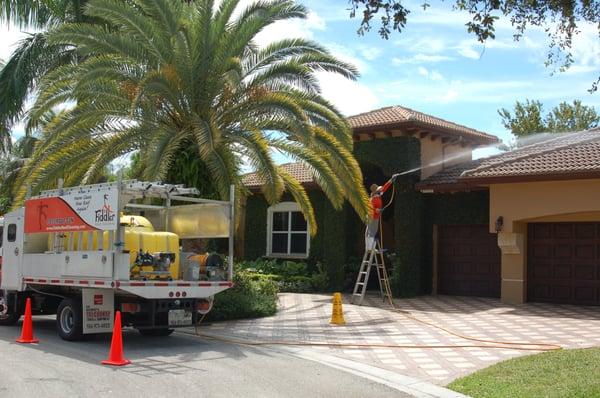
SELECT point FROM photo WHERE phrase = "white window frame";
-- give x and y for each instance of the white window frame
(288, 207)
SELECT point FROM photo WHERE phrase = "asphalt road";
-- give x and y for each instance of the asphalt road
(177, 366)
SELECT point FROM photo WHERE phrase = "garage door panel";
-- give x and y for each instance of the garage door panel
(585, 231)
(473, 267)
(563, 231)
(562, 271)
(586, 272)
(541, 251)
(563, 251)
(561, 292)
(541, 270)
(541, 231)
(571, 273)
(585, 252)
(589, 294)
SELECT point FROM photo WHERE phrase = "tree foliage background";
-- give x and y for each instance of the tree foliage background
(528, 118)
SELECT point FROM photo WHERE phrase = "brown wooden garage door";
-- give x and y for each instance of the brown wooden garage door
(468, 261)
(564, 263)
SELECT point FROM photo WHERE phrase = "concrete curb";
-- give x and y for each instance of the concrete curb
(409, 385)
(406, 384)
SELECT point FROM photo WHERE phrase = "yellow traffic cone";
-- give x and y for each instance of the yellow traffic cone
(337, 315)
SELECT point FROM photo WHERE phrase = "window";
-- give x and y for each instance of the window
(11, 234)
(1, 235)
(287, 231)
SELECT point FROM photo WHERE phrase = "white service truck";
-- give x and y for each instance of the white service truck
(84, 252)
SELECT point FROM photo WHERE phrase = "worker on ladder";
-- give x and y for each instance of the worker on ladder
(377, 204)
(373, 256)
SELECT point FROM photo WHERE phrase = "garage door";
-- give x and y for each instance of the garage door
(563, 263)
(468, 261)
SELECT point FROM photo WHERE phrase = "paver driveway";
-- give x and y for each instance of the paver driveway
(305, 317)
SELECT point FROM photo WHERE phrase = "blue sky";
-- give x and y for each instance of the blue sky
(434, 66)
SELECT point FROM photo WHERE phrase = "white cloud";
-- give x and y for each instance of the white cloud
(423, 71)
(471, 91)
(349, 96)
(348, 55)
(421, 59)
(289, 29)
(370, 53)
(586, 50)
(436, 76)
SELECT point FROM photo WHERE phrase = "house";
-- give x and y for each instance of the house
(387, 141)
(522, 226)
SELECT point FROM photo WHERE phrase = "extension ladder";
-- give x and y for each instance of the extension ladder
(372, 257)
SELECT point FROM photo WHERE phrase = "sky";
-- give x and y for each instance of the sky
(434, 66)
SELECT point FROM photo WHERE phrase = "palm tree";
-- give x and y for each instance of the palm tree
(34, 56)
(161, 76)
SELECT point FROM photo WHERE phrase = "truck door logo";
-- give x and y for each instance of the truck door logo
(105, 214)
(98, 299)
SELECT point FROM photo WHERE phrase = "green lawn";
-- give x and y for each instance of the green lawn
(565, 373)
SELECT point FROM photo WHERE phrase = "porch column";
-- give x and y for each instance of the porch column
(513, 265)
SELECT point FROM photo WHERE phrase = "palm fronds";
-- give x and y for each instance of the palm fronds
(160, 77)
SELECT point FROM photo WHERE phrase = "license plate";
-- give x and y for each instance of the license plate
(180, 318)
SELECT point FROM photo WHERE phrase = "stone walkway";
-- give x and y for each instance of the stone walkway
(305, 318)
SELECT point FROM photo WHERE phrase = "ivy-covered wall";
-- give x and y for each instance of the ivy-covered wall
(328, 246)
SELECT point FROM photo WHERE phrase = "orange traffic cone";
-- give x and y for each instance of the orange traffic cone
(115, 357)
(27, 331)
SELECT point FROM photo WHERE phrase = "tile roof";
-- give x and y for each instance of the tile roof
(397, 116)
(569, 154)
(300, 172)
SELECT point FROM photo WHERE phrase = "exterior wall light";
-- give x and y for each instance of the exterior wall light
(499, 223)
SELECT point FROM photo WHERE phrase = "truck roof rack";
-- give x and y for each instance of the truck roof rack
(134, 188)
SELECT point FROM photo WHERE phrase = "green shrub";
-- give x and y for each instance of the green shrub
(248, 298)
(289, 276)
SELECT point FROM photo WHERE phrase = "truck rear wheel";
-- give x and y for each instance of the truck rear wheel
(156, 332)
(69, 320)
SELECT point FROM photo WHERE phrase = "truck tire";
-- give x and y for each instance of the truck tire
(69, 320)
(9, 319)
(156, 332)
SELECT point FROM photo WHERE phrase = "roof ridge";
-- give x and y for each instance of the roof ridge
(371, 111)
(413, 111)
(531, 155)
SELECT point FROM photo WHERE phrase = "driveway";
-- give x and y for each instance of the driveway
(305, 318)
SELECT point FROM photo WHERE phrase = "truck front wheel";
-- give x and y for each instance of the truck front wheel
(69, 320)
(8, 315)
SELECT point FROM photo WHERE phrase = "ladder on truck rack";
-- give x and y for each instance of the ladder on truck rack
(372, 257)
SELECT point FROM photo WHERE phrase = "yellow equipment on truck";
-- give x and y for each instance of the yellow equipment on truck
(86, 251)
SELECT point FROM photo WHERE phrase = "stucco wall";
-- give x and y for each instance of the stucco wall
(436, 156)
(540, 201)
